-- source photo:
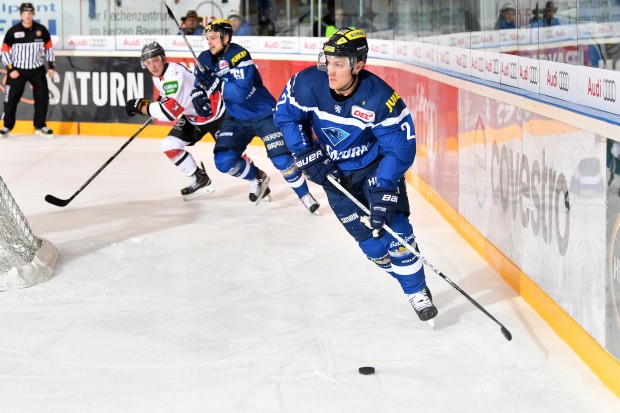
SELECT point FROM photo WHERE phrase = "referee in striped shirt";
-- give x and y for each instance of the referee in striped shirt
(25, 48)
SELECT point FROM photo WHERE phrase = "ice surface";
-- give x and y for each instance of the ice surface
(218, 305)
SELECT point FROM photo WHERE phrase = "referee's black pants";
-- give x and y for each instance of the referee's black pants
(15, 89)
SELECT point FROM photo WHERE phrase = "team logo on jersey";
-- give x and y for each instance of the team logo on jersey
(338, 108)
(39, 33)
(170, 88)
(363, 114)
(335, 135)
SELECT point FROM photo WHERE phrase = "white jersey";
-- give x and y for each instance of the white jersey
(175, 88)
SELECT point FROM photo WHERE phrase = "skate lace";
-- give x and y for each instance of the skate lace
(193, 183)
(420, 300)
(255, 186)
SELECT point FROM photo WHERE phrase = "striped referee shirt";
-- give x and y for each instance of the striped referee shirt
(27, 48)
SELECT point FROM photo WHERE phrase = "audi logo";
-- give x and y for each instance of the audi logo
(513, 70)
(495, 66)
(534, 75)
(563, 81)
(609, 90)
(97, 42)
(247, 44)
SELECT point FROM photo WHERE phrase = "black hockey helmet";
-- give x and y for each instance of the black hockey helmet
(222, 26)
(349, 43)
(151, 50)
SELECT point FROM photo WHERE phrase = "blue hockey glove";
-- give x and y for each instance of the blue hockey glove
(207, 80)
(315, 163)
(201, 102)
(382, 207)
(134, 106)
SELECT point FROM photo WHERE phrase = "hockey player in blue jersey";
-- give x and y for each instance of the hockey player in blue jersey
(249, 113)
(341, 120)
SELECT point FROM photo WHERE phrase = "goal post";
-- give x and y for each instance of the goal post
(25, 259)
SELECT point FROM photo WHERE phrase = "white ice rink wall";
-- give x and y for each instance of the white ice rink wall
(514, 151)
(534, 192)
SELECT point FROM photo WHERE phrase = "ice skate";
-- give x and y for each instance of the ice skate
(422, 303)
(310, 203)
(5, 132)
(200, 186)
(44, 131)
(259, 188)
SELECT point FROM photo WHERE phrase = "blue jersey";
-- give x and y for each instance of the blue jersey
(371, 123)
(244, 93)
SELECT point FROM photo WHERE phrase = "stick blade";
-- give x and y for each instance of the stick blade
(169, 12)
(56, 201)
(506, 333)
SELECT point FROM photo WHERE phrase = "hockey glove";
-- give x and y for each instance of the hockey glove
(207, 80)
(315, 163)
(382, 207)
(134, 106)
(201, 102)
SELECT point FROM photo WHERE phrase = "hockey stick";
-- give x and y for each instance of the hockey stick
(63, 202)
(200, 66)
(398, 238)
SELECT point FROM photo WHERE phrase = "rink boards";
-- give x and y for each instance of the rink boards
(524, 180)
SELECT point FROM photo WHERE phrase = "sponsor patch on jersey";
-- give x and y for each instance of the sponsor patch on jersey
(349, 153)
(170, 88)
(238, 57)
(20, 35)
(362, 114)
(223, 64)
(335, 135)
(391, 102)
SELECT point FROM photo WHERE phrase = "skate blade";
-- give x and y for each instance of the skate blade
(266, 198)
(201, 192)
(262, 197)
(314, 209)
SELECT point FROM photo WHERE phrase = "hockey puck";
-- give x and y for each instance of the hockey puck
(367, 370)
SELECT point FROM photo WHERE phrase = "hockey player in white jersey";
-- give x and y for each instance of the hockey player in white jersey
(364, 136)
(175, 84)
